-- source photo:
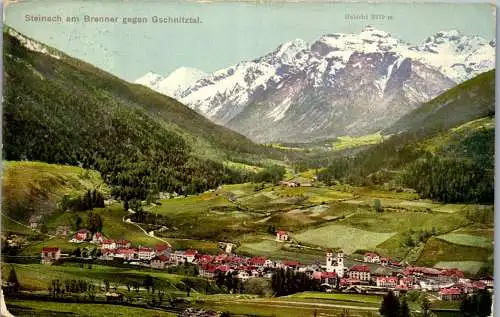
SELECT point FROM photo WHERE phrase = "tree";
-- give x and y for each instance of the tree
(404, 309)
(94, 222)
(377, 205)
(13, 281)
(425, 305)
(148, 282)
(390, 305)
(478, 305)
(484, 302)
(77, 252)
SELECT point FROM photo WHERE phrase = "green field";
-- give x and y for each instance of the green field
(346, 142)
(469, 240)
(399, 221)
(353, 298)
(267, 308)
(38, 276)
(43, 308)
(36, 186)
(437, 250)
(349, 238)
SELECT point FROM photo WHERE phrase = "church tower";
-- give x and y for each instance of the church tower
(335, 263)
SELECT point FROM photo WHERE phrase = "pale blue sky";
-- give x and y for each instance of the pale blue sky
(230, 32)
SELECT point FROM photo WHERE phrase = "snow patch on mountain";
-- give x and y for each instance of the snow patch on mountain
(32, 45)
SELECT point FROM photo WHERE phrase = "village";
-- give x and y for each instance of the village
(333, 274)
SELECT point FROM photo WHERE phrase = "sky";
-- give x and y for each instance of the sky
(229, 32)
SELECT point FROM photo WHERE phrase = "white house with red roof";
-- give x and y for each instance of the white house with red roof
(81, 236)
(190, 255)
(160, 262)
(97, 238)
(50, 254)
(162, 249)
(371, 257)
(360, 272)
(453, 293)
(126, 253)
(281, 235)
(144, 253)
(329, 278)
(108, 244)
(207, 270)
(387, 281)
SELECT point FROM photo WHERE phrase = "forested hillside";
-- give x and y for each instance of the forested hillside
(446, 151)
(61, 110)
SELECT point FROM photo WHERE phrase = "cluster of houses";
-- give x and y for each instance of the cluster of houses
(450, 284)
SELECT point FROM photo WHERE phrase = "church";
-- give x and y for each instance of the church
(335, 262)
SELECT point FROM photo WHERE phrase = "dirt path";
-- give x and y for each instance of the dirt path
(150, 234)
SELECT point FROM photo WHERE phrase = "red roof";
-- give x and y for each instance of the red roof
(388, 279)
(281, 232)
(50, 249)
(257, 260)
(328, 274)
(371, 254)
(83, 231)
(222, 268)
(162, 258)
(452, 272)
(125, 251)
(450, 291)
(144, 249)
(209, 268)
(479, 285)
(161, 247)
(360, 268)
(190, 252)
(122, 242)
(205, 258)
(291, 263)
(423, 270)
(108, 241)
(345, 281)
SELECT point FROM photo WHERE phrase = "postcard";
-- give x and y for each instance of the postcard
(241, 158)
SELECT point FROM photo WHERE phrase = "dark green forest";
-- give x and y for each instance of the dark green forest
(65, 111)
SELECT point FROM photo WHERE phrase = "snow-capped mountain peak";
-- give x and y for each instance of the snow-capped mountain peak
(173, 84)
(150, 79)
(338, 84)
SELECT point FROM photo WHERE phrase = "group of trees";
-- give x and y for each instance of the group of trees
(185, 268)
(392, 306)
(58, 288)
(450, 180)
(412, 238)
(271, 174)
(286, 282)
(93, 222)
(478, 305)
(88, 201)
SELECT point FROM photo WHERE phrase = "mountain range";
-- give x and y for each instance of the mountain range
(342, 84)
